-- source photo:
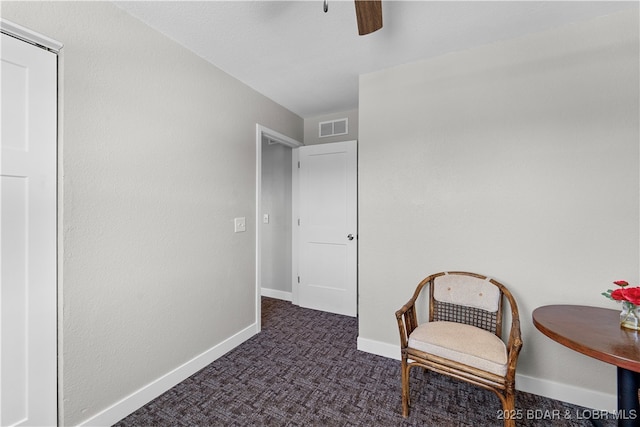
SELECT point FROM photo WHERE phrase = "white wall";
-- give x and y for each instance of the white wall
(311, 131)
(157, 156)
(276, 235)
(517, 160)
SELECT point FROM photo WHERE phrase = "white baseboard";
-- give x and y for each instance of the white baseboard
(566, 393)
(380, 348)
(592, 399)
(274, 293)
(136, 400)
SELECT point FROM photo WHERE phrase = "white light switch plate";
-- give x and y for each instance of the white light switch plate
(265, 218)
(239, 225)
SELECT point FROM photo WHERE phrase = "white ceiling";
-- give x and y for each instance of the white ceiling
(309, 61)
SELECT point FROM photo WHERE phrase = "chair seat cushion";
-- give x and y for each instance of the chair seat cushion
(462, 343)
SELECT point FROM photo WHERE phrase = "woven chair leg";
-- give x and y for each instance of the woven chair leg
(404, 367)
(509, 407)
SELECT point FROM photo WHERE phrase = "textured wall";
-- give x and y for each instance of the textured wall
(517, 160)
(157, 156)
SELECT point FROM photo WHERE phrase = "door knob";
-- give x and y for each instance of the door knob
(350, 236)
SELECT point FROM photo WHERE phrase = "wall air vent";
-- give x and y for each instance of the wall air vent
(333, 128)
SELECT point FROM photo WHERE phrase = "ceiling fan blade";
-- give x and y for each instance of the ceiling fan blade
(369, 14)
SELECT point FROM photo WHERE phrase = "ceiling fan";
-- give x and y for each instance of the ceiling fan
(368, 14)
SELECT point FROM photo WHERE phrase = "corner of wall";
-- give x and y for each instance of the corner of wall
(141, 397)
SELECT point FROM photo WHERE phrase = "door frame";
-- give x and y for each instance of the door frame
(263, 131)
(29, 36)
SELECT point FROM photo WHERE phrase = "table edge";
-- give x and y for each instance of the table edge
(562, 340)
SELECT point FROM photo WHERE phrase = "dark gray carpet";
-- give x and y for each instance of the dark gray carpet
(304, 369)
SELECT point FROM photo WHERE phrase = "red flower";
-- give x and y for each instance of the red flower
(627, 294)
(632, 295)
(618, 295)
(621, 283)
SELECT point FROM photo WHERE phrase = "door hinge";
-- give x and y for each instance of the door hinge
(298, 279)
(298, 165)
(298, 221)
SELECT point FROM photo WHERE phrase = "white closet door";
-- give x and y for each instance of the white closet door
(28, 235)
(328, 228)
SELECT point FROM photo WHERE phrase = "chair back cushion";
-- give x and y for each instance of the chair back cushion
(467, 291)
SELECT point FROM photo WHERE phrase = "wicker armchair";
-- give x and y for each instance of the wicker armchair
(463, 337)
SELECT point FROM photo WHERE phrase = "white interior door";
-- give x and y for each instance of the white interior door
(328, 249)
(28, 235)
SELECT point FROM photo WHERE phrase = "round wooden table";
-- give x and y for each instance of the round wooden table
(596, 332)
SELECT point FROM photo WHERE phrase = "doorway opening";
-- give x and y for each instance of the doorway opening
(275, 204)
